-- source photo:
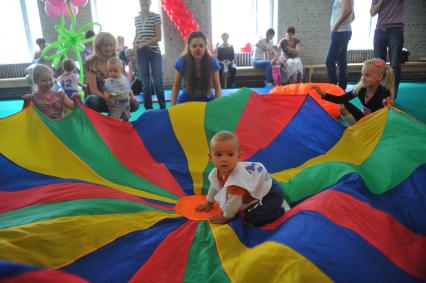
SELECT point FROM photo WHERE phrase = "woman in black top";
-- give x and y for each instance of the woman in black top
(226, 58)
(375, 90)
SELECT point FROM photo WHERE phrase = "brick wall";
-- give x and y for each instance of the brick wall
(312, 22)
(415, 29)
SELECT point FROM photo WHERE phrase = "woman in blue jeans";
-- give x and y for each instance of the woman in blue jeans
(148, 34)
(341, 32)
(389, 33)
(264, 54)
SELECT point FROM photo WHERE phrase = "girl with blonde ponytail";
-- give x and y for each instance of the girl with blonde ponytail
(375, 90)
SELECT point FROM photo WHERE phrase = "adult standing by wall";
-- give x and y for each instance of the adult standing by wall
(389, 33)
(341, 32)
(148, 34)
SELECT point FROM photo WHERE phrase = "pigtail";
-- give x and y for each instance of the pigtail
(357, 88)
(388, 80)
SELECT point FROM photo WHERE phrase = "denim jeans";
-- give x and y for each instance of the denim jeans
(337, 53)
(151, 65)
(264, 64)
(392, 38)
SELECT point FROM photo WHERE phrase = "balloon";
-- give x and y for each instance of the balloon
(66, 11)
(57, 2)
(52, 10)
(180, 16)
(68, 40)
(80, 3)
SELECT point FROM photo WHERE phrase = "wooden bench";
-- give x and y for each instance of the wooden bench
(410, 71)
(249, 76)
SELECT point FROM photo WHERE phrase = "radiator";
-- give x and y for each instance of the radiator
(359, 55)
(13, 70)
(243, 59)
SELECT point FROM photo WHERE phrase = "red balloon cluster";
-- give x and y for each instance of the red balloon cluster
(180, 16)
(247, 48)
(55, 8)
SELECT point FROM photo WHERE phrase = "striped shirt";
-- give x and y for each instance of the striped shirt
(145, 31)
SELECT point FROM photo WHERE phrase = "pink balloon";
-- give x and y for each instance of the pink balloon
(80, 3)
(52, 10)
(57, 2)
(64, 10)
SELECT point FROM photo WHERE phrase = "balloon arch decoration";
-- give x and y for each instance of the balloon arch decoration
(180, 16)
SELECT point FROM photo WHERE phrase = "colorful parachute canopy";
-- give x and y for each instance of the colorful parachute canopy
(305, 88)
(88, 198)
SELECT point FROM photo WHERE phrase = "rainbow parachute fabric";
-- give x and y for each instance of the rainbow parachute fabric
(91, 199)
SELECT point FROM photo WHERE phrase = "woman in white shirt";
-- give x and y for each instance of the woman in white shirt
(265, 54)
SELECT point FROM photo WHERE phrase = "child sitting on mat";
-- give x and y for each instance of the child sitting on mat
(240, 186)
(375, 90)
(48, 101)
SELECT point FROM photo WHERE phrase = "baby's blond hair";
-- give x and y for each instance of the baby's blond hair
(115, 61)
(224, 136)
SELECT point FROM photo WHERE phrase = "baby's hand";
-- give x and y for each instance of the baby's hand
(318, 90)
(109, 99)
(203, 206)
(134, 100)
(218, 219)
(28, 97)
(388, 102)
(27, 100)
(76, 97)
